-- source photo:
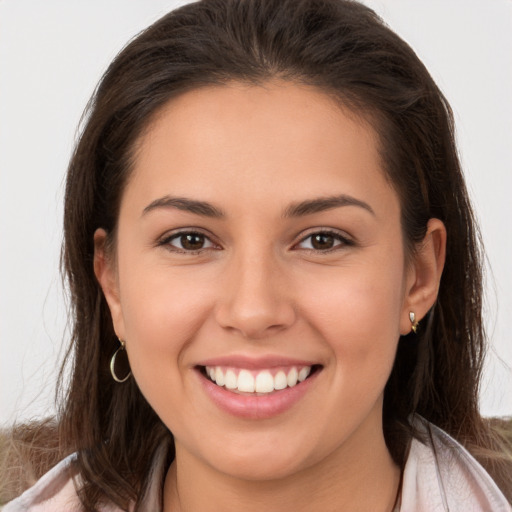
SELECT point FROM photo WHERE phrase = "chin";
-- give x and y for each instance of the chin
(267, 470)
(260, 464)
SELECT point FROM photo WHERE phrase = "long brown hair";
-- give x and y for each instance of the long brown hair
(345, 50)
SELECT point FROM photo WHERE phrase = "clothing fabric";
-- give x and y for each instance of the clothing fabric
(439, 476)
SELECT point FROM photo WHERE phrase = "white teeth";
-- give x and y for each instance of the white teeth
(245, 381)
(219, 376)
(264, 383)
(257, 382)
(303, 374)
(231, 381)
(280, 381)
(291, 379)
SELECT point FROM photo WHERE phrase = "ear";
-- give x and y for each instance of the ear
(106, 274)
(424, 275)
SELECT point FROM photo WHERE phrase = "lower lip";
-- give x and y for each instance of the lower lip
(256, 406)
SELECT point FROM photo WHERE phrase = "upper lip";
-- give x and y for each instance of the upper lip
(261, 362)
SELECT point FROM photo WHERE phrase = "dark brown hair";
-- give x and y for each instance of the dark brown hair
(345, 50)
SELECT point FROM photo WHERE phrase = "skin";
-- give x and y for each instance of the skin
(258, 287)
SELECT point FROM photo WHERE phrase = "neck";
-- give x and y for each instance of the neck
(358, 476)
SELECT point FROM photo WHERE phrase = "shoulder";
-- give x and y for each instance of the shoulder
(440, 476)
(53, 492)
(56, 490)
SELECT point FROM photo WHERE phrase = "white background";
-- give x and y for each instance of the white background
(52, 54)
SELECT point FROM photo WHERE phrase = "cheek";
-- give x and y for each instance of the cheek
(358, 315)
(162, 311)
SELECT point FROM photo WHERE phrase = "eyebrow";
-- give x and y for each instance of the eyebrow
(299, 209)
(188, 205)
(321, 204)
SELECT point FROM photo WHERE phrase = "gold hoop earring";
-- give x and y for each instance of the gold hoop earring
(414, 322)
(113, 364)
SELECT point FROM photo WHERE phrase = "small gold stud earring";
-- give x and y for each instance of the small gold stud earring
(414, 322)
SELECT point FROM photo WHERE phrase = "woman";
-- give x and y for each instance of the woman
(275, 275)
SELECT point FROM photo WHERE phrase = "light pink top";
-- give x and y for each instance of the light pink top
(439, 476)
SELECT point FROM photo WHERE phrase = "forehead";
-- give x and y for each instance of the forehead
(248, 141)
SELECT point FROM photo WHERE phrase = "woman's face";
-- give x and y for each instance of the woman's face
(259, 242)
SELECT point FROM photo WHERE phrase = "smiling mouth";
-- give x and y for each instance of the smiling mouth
(258, 382)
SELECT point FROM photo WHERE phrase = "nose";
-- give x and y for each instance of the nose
(256, 300)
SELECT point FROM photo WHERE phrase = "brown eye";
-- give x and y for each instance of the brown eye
(190, 241)
(324, 241)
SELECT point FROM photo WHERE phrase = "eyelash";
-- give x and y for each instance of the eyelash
(343, 242)
(166, 242)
